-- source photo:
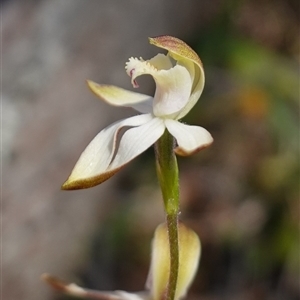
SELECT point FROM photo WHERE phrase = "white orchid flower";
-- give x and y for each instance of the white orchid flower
(179, 78)
(157, 282)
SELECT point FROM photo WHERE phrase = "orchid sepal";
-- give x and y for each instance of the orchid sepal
(186, 56)
(107, 153)
(190, 139)
(117, 96)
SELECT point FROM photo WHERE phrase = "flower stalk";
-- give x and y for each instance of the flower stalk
(167, 172)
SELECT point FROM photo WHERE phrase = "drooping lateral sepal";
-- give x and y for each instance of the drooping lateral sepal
(107, 153)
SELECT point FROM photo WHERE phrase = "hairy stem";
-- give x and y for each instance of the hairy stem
(167, 171)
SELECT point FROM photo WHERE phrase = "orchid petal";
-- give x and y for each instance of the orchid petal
(121, 97)
(137, 140)
(189, 254)
(188, 58)
(92, 168)
(173, 86)
(161, 62)
(190, 139)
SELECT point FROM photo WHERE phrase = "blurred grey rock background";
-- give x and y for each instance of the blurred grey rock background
(48, 50)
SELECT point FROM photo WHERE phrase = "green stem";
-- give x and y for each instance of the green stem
(172, 223)
(167, 172)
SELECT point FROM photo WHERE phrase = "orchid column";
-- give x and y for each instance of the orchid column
(179, 79)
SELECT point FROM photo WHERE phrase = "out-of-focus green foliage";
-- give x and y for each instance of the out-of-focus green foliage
(253, 102)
